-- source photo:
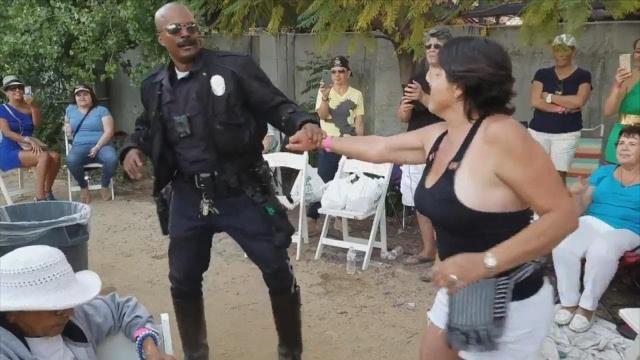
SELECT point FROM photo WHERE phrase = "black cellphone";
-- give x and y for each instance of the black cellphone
(326, 78)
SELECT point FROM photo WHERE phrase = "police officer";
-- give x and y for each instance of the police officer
(205, 115)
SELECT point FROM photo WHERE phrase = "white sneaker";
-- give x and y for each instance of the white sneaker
(563, 316)
(580, 323)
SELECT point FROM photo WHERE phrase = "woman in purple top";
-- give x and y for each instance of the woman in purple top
(18, 118)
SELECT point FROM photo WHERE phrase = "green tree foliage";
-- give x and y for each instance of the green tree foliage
(55, 44)
(544, 19)
(403, 22)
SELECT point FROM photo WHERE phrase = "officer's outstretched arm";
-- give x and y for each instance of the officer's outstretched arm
(267, 102)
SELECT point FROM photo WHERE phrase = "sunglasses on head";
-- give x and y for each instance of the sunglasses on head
(14, 88)
(339, 71)
(176, 28)
(435, 46)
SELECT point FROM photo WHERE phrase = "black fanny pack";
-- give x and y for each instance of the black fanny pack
(478, 312)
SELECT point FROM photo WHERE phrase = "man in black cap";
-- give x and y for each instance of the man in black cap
(341, 111)
(204, 118)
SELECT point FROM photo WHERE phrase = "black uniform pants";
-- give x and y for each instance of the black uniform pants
(191, 236)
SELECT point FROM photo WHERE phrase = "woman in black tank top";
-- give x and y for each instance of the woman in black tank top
(484, 174)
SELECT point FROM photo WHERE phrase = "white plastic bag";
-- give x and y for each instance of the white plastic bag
(313, 186)
(335, 195)
(363, 194)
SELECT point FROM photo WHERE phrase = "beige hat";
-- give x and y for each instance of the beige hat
(564, 39)
(10, 80)
(39, 277)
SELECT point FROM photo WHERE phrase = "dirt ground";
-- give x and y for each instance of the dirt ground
(376, 314)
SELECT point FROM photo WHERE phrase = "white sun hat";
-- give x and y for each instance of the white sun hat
(39, 277)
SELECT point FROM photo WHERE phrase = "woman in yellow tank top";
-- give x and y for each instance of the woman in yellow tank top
(624, 97)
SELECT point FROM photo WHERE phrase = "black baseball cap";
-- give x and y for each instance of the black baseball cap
(340, 61)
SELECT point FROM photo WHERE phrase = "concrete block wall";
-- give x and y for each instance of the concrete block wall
(375, 69)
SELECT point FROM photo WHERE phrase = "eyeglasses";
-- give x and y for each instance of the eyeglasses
(559, 87)
(176, 28)
(435, 46)
(339, 71)
(14, 88)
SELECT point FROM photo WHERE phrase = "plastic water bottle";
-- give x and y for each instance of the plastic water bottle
(351, 261)
(393, 254)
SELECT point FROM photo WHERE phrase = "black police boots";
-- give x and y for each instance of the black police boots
(193, 328)
(286, 314)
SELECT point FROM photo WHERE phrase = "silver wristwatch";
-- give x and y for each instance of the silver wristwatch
(490, 263)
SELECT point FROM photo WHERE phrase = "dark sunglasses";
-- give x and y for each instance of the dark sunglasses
(176, 28)
(339, 71)
(14, 88)
(435, 46)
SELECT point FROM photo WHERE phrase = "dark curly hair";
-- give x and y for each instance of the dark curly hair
(630, 131)
(482, 68)
(94, 98)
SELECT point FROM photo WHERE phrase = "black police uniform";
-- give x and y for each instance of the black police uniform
(203, 133)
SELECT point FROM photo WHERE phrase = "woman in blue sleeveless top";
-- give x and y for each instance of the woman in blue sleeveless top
(18, 118)
(484, 174)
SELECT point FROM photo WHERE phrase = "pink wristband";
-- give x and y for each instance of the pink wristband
(327, 143)
(141, 331)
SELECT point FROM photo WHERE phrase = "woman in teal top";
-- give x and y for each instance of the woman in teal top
(625, 98)
(90, 128)
(610, 225)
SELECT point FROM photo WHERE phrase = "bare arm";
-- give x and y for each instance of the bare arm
(404, 111)
(359, 122)
(109, 130)
(323, 108)
(6, 132)
(524, 166)
(573, 101)
(618, 91)
(405, 148)
(537, 101)
(36, 116)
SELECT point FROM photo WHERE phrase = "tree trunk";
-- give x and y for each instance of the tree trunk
(408, 67)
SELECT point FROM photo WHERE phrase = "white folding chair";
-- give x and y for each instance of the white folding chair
(119, 347)
(6, 193)
(88, 167)
(10, 193)
(298, 162)
(346, 167)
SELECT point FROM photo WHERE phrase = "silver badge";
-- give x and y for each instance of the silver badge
(217, 85)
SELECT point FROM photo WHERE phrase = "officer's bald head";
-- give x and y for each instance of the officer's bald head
(165, 14)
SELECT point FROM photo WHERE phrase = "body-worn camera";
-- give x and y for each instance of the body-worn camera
(181, 126)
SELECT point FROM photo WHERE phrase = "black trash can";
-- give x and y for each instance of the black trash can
(61, 224)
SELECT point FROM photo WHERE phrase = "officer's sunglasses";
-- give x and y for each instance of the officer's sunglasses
(339, 71)
(176, 28)
(14, 88)
(435, 46)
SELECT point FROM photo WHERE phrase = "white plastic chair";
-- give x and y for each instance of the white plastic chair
(8, 194)
(346, 167)
(88, 167)
(120, 347)
(632, 317)
(298, 162)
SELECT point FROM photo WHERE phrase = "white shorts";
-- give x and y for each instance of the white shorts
(561, 147)
(528, 323)
(411, 175)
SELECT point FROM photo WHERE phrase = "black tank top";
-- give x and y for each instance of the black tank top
(460, 229)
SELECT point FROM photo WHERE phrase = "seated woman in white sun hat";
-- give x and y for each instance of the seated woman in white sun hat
(49, 312)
